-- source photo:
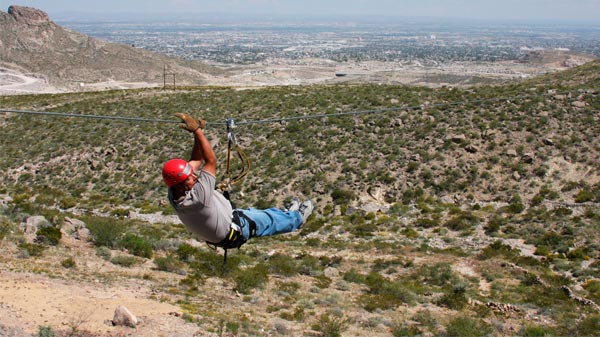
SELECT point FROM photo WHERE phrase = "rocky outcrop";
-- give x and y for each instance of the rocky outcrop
(28, 15)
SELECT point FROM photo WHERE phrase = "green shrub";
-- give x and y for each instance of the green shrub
(342, 196)
(32, 249)
(185, 252)
(104, 253)
(584, 196)
(384, 294)
(48, 235)
(250, 278)
(124, 260)
(589, 326)
(456, 298)
(283, 265)
(353, 276)
(168, 263)
(537, 331)
(45, 331)
(497, 249)
(105, 231)
(467, 327)
(406, 330)
(68, 263)
(331, 325)
(137, 245)
(463, 221)
(440, 274)
(5, 228)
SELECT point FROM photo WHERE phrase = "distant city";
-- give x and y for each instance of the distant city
(429, 42)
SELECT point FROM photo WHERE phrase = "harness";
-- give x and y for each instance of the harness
(235, 237)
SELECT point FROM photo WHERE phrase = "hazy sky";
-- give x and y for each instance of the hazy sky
(571, 10)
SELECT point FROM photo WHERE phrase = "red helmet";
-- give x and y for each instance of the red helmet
(176, 171)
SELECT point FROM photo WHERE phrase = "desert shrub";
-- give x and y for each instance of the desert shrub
(463, 326)
(542, 250)
(353, 276)
(455, 298)
(342, 196)
(185, 252)
(48, 235)
(405, 330)
(589, 326)
(137, 245)
(384, 294)
(31, 249)
(577, 254)
(427, 222)
(462, 221)
(331, 325)
(250, 278)
(124, 260)
(322, 281)
(168, 263)
(283, 265)
(5, 228)
(105, 231)
(593, 288)
(516, 205)
(440, 274)
(537, 331)
(104, 253)
(584, 196)
(68, 263)
(45, 331)
(497, 248)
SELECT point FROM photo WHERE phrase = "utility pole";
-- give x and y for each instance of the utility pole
(165, 74)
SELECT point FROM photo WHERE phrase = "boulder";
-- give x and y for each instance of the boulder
(123, 317)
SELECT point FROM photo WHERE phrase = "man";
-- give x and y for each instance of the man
(206, 212)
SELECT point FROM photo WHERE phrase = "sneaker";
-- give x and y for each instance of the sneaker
(305, 210)
(294, 205)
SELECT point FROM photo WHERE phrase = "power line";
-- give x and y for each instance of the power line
(286, 119)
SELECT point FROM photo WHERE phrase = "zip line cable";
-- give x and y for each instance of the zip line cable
(286, 119)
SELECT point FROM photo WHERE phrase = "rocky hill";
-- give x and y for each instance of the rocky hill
(440, 212)
(30, 40)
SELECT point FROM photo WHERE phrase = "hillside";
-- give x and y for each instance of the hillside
(440, 212)
(33, 42)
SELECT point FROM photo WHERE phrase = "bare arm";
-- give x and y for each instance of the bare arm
(203, 155)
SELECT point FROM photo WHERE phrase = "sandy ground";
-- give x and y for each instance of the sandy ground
(28, 301)
(39, 292)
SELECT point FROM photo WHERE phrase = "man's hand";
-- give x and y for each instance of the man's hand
(190, 123)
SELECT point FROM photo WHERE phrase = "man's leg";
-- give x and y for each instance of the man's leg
(271, 221)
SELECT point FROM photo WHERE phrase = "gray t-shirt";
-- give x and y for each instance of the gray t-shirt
(204, 210)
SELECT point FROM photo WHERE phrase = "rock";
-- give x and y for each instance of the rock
(548, 141)
(579, 104)
(331, 272)
(76, 229)
(516, 176)
(123, 317)
(33, 223)
(527, 158)
(511, 153)
(471, 148)
(415, 157)
(456, 138)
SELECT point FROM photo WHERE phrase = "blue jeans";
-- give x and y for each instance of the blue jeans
(270, 221)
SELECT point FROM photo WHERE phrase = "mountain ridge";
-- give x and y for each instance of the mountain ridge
(31, 40)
